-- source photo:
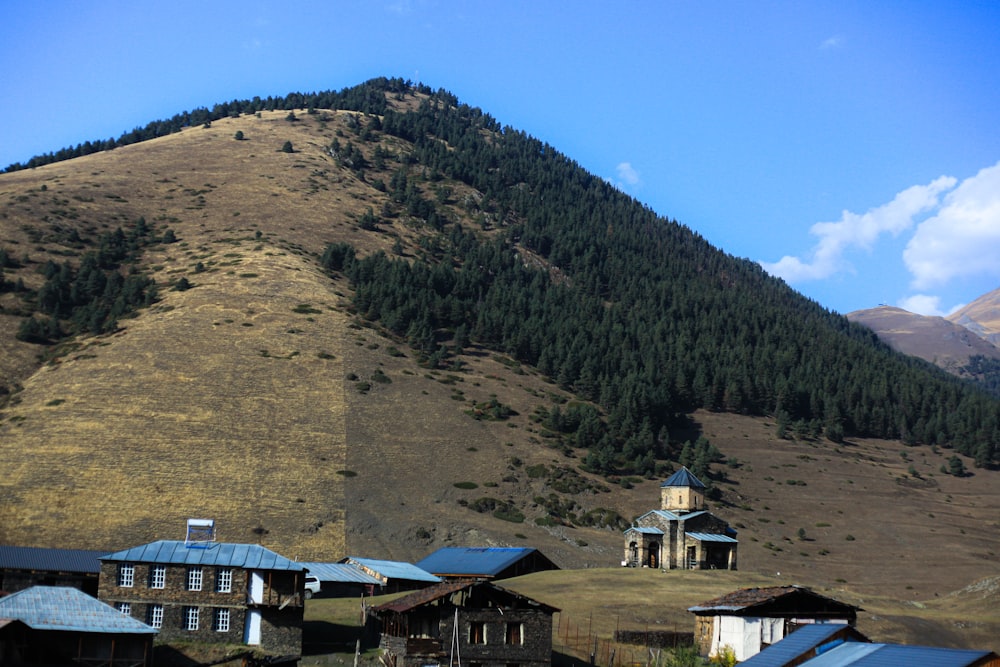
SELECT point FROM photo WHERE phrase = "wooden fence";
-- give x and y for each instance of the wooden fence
(627, 648)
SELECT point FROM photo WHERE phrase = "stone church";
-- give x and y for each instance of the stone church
(682, 534)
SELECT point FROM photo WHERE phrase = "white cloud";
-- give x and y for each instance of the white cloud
(858, 231)
(963, 238)
(923, 304)
(627, 175)
(832, 42)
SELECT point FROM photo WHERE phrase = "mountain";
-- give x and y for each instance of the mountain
(376, 321)
(942, 341)
(982, 316)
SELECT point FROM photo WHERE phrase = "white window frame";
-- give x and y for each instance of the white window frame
(195, 576)
(221, 620)
(191, 617)
(154, 616)
(158, 576)
(126, 575)
(124, 607)
(224, 580)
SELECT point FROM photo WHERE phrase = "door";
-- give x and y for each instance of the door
(255, 592)
(251, 632)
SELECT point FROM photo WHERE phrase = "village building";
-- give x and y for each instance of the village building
(682, 534)
(464, 622)
(843, 646)
(207, 591)
(485, 563)
(393, 576)
(24, 567)
(751, 619)
(62, 625)
(339, 580)
(804, 643)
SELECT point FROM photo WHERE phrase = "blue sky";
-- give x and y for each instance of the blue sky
(852, 148)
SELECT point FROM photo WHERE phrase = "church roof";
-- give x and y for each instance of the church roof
(684, 477)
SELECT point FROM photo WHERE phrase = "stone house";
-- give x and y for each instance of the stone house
(62, 625)
(475, 623)
(209, 592)
(751, 619)
(682, 534)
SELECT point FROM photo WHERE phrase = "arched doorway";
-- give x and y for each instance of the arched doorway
(653, 555)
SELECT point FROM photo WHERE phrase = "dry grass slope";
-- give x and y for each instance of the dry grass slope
(259, 399)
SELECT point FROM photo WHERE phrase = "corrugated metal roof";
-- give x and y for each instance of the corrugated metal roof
(393, 569)
(50, 560)
(473, 561)
(804, 639)
(68, 609)
(751, 597)
(176, 552)
(684, 477)
(431, 593)
(711, 537)
(341, 573)
(855, 654)
(645, 530)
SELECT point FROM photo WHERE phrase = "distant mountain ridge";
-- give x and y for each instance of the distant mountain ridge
(962, 343)
(982, 316)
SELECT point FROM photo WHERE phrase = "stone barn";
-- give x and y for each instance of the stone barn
(464, 622)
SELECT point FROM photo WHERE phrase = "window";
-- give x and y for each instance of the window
(191, 618)
(224, 580)
(158, 576)
(124, 607)
(126, 575)
(222, 620)
(194, 579)
(515, 634)
(154, 615)
(477, 632)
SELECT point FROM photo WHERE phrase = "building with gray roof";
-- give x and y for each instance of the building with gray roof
(206, 591)
(46, 625)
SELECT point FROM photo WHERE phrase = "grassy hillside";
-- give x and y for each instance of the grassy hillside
(264, 397)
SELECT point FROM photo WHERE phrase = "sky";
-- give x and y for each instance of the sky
(852, 148)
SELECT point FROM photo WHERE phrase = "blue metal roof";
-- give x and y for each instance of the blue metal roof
(794, 645)
(684, 477)
(50, 560)
(392, 569)
(68, 609)
(341, 573)
(176, 552)
(857, 654)
(711, 537)
(645, 530)
(473, 561)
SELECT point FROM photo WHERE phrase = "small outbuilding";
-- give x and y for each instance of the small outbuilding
(62, 625)
(393, 576)
(24, 567)
(464, 622)
(485, 563)
(751, 619)
(341, 580)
